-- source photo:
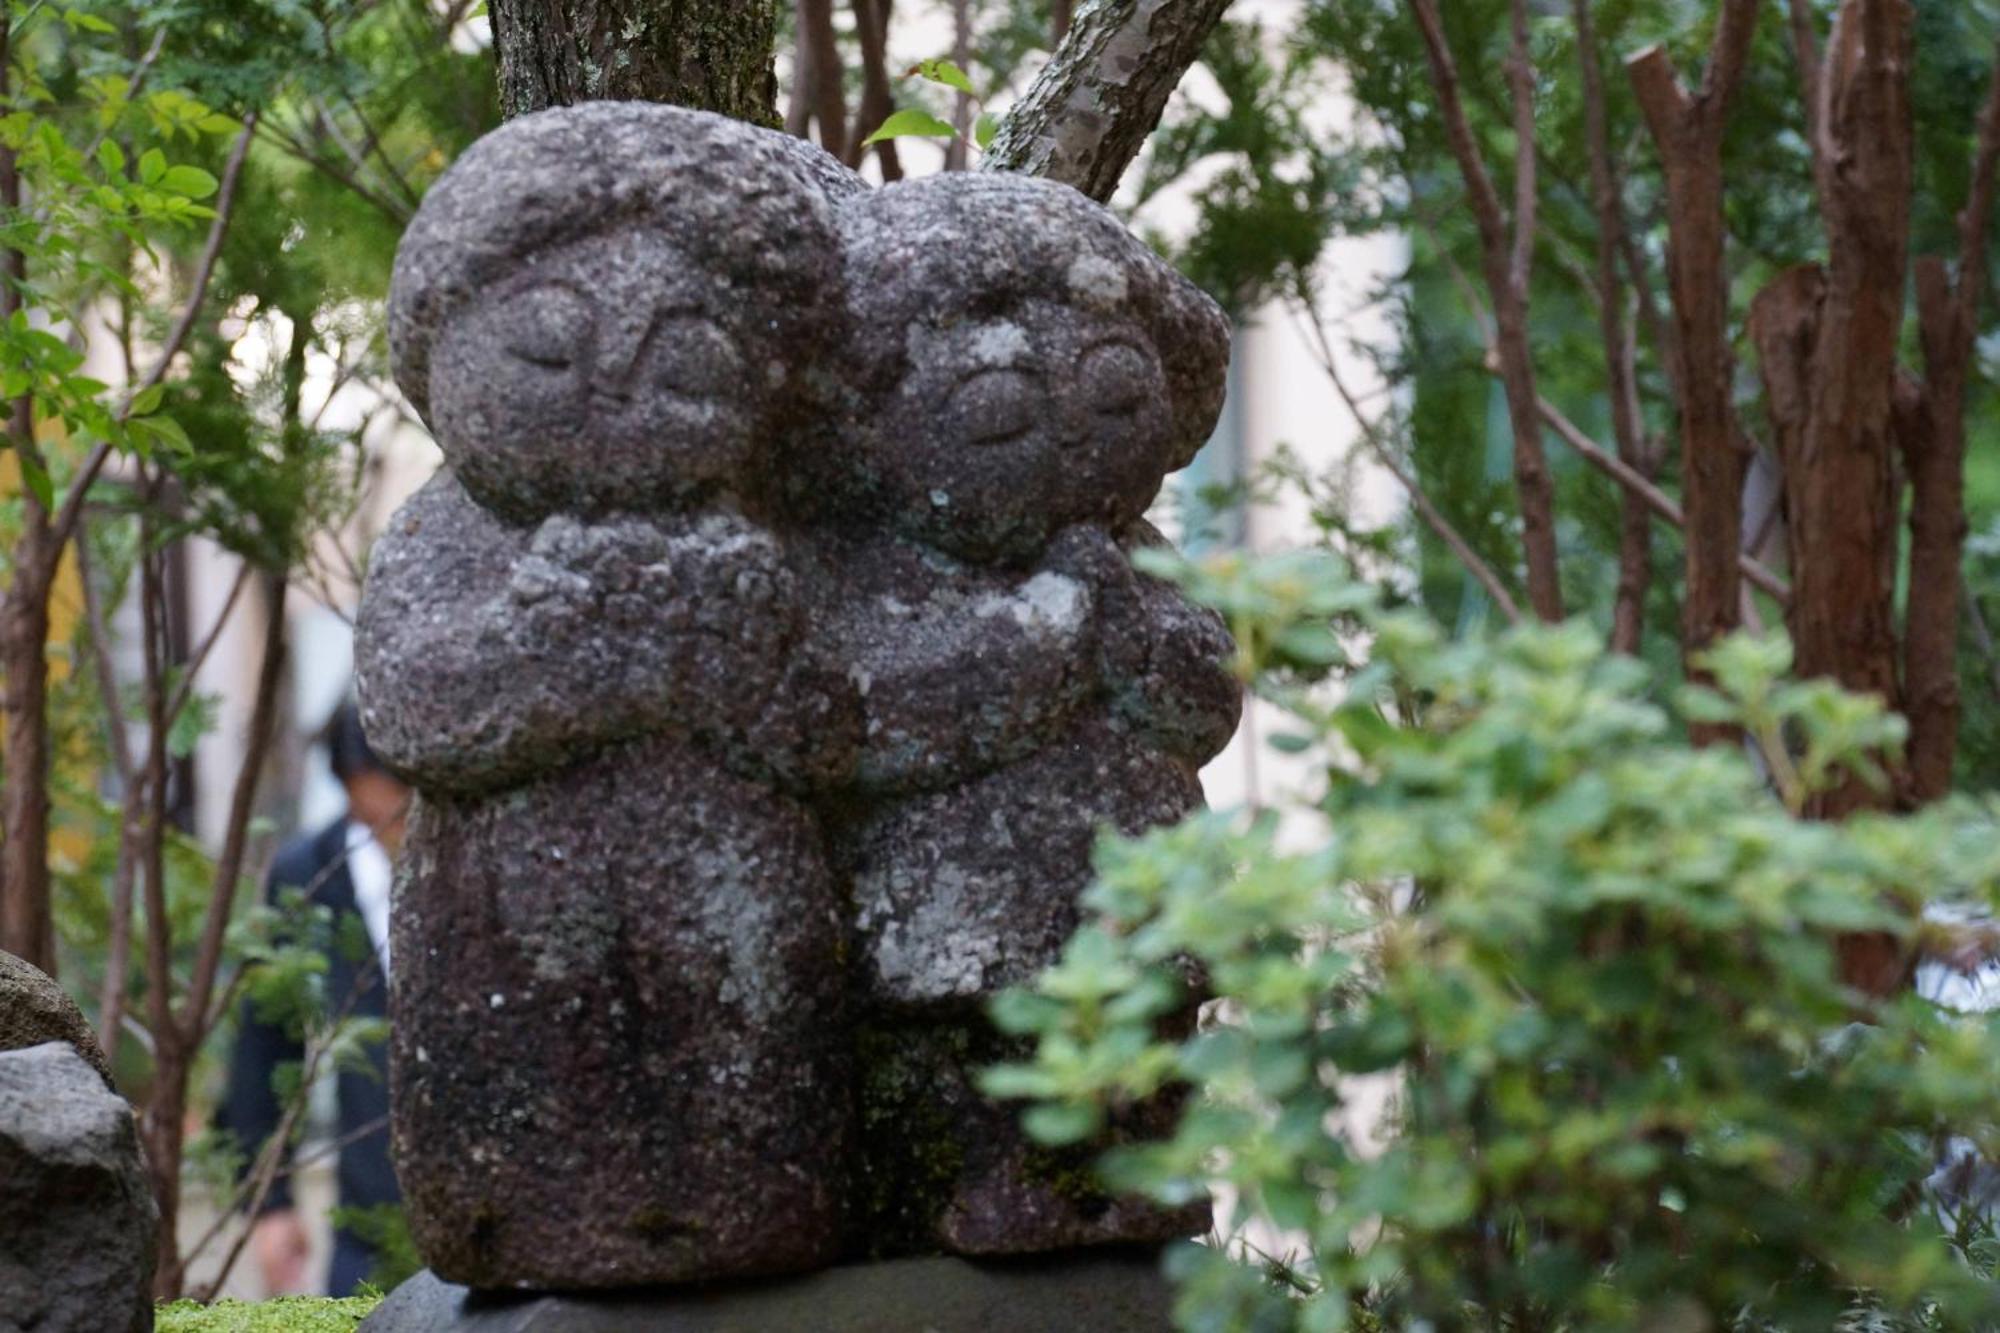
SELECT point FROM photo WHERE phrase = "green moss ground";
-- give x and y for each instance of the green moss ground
(287, 1314)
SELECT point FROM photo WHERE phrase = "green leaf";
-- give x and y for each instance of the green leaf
(111, 157)
(984, 129)
(911, 123)
(943, 72)
(190, 182)
(152, 166)
(38, 482)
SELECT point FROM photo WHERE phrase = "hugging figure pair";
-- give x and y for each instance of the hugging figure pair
(766, 656)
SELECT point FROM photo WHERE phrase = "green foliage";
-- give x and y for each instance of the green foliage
(385, 1229)
(1596, 966)
(912, 123)
(1328, 130)
(286, 1314)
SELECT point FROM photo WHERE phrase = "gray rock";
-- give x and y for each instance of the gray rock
(77, 1220)
(768, 659)
(34, 1009)
(1100, 1293)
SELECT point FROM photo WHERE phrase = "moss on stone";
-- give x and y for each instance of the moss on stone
(287, 1314)
(912, 1155)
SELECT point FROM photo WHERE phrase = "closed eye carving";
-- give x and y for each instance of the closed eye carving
(691, 356)
(551, 326)
(1117, 378)
(995, 406)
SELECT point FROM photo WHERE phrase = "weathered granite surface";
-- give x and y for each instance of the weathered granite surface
(617, 990)
(77, 1220)
(1097, 1292)
(767, 658)
(35, 1009)
(1023, 374)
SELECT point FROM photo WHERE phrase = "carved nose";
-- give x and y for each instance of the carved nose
(618, 349)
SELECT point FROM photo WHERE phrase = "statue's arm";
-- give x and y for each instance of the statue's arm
(478, 658)
(1167, 660)
(963, 677)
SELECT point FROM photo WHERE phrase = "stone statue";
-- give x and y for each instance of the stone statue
(766, 657)
(616, 950)
(1022, 375)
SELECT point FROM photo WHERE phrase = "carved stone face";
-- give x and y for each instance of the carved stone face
(1007, 429)
(610, 373)
(612, 307)
(1020, 362)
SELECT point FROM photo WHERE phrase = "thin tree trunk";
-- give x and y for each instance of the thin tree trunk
(166, 1102)
(820, 48)
(1508, 260)
(1088, 113)
(1635, 525)
(798, 104)
(1687, 130)
(878, 99)
(1061, 12)
(1948, 324)
(961, 105)
(27, 920)
(708, 56)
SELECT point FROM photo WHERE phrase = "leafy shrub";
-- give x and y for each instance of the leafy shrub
(1598, 964)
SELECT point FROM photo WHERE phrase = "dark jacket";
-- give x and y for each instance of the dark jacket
(251, 1110)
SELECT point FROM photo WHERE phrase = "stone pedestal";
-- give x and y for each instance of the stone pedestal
(1100, 1291)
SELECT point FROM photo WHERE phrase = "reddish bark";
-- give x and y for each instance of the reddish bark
(1687, 129)
(1844, 521)
(1933, 440)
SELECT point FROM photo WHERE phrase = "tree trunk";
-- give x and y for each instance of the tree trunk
(27, 925)
(1687, 129)
(823, 75)
(27, 920)
(1089, 111)
(1635, 525)
(713, 57)
(1507, 255)
(1843, 528)
(878, 99)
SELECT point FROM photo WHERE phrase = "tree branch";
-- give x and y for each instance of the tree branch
(1088, 112)
(1508, 261)
(1432, 516)
(1655, 499)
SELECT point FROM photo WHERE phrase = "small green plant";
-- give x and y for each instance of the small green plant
(287, 1314)
(917, 123)
(1597, 965)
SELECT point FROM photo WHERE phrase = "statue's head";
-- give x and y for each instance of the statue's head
(610, 306)
(1022, 363)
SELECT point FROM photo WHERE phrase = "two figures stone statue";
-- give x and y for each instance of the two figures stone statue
(767, 657)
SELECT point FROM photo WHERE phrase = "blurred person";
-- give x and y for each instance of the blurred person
(345, 867)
